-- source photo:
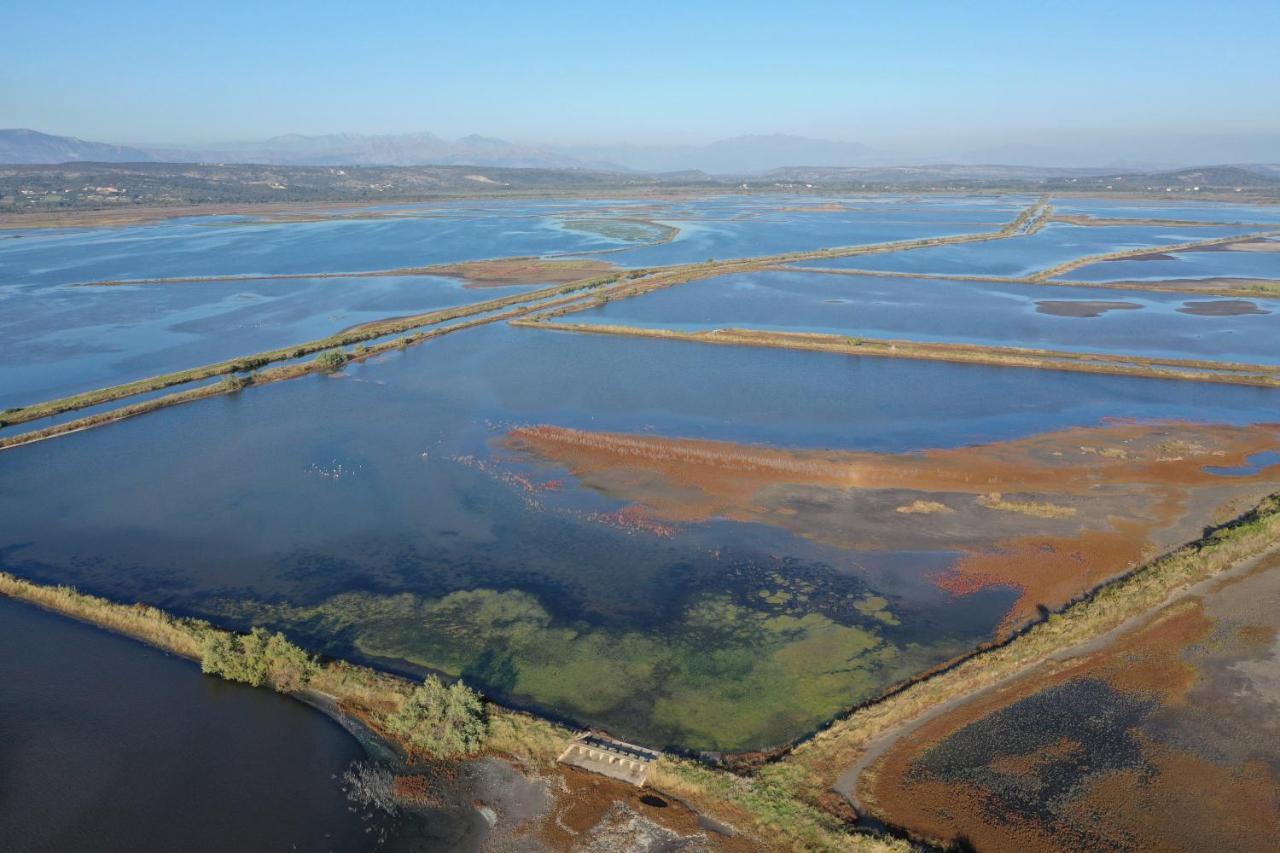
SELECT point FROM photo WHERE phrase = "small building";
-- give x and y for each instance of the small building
(616, 759)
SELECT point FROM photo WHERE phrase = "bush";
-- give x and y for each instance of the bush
(237, 382)
(258, 658)
(441, 721)
(331, 361)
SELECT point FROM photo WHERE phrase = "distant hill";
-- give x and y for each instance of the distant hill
(355, 149)
(739, 155)
(32, 146)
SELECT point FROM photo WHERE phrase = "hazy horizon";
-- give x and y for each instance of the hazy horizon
(1092, 83)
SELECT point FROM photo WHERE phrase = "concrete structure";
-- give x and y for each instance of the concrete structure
(608, 757)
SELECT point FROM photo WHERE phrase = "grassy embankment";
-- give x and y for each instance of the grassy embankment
(1239, 287)
(357, 335)
(1193, 370)
(813, 767)
(378, 700)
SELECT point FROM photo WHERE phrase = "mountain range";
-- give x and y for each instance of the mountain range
(740, 155)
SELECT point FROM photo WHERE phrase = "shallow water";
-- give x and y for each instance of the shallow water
(374, 515)
(1025, 254)
(1190, 211)
(773, 226)
(962, 312)
(111, 745)
(1218, 264)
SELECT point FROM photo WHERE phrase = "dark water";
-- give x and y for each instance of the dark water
(106, 745)
(967, 312)
(387, 481)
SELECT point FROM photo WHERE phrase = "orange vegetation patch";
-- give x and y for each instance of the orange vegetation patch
(416, 790)
(1185, 803)
(1051, 515)
(1048, 570)
(507, 271)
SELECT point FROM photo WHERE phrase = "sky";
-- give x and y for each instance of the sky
(884, 74)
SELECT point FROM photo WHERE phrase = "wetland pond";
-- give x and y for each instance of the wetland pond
(1024, 254)
(631, 533)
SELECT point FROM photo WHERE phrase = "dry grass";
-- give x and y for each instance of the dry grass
(922, 507)
(997, 501)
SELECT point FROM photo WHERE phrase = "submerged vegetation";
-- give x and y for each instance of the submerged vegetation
(724, 677)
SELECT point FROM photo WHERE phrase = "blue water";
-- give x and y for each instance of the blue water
(1253, 465)
(965, 312)
(1190, 211)
(56, 341)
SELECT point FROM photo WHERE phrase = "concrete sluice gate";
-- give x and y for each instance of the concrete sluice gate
(613, 758)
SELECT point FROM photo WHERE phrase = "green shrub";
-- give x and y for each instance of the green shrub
(331, 361)
(237, 382)
(258, 658)
(441, 721)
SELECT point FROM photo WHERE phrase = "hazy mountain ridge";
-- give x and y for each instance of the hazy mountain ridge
(22, 146)
(753, 155)
(354, 149)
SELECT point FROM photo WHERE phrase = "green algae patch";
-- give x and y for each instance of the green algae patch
(723, 677)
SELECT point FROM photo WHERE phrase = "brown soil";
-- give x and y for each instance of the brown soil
(584, 800)
(508, 271)
(1081, 307)
(1119, 494)
(1176, 799)
(1221, 308)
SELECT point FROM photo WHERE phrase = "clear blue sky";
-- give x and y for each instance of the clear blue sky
(644, 72)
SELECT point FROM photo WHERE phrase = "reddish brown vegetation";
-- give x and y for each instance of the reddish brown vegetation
(1123, 490)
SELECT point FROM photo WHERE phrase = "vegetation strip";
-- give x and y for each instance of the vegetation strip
(1210, 286)
(1190, 246)
(1147, 367)
(327, 362)
(428, 720)
(815, 765)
